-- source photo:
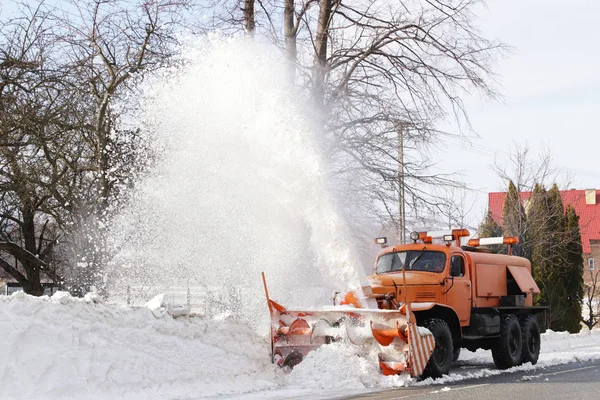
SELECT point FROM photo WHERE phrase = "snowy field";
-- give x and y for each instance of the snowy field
(63, 347)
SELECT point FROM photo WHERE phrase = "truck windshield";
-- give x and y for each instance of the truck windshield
(431, 261)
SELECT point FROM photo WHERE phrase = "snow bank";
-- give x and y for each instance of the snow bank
(65, 348)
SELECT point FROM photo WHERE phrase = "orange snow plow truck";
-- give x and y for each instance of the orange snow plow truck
(424, 302)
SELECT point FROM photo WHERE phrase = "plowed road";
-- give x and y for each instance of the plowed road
(579, 381)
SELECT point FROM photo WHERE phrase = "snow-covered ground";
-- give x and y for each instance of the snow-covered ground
(63, 347)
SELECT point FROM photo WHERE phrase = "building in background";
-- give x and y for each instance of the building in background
(8, 285)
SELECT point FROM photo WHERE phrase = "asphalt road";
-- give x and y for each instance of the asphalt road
(580, 380)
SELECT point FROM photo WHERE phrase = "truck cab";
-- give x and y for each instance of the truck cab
(432, 274)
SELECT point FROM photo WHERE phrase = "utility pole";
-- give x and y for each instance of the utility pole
(401, 201)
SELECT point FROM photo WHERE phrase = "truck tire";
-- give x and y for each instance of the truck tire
(441, 359)
(455, 352)
(530, 332)
(507, 350)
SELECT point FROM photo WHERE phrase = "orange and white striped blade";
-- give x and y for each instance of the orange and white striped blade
(420, 349)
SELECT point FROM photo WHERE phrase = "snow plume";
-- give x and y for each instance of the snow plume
(240, 187)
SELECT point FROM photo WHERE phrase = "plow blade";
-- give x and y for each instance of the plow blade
(405, 347)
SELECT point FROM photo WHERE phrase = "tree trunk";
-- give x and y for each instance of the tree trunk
(290, 39)
(249, 23)
(32, 271)
(102, 134)
(34, 285)
(320, 63)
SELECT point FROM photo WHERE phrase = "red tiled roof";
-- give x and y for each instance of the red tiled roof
(589, 214)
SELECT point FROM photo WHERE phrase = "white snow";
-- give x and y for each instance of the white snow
(239, 187)
(156, 305)
(62, 347)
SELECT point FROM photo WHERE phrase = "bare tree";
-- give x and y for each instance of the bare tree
(370, 66)
(526, 169)
(112, 46)
(521, 173)
(592, 300)
(66, 159)
(35, 129)
(457, 211)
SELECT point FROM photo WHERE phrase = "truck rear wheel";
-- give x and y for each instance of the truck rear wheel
(507, 350)
(530, 332)
(441, 359)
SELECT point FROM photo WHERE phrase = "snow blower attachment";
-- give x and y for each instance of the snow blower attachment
(406, 348)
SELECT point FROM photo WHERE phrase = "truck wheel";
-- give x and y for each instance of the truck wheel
(455, 352)
(508, 347)
(530, 331)
(441, 359)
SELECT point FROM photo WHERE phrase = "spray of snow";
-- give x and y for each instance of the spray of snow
(240, 187)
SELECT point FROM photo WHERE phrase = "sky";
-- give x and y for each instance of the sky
(550, 96)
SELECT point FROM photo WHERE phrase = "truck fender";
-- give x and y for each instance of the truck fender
(425, 311)
(422, 306)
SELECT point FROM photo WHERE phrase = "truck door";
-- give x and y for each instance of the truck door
(459, 289)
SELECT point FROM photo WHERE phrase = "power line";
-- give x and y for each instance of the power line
(475, 147)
